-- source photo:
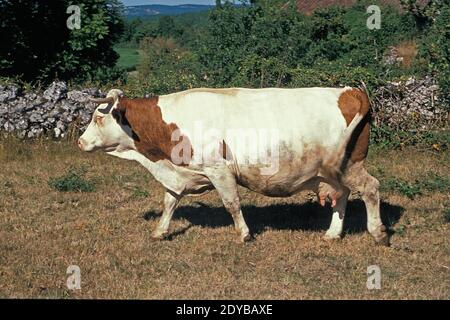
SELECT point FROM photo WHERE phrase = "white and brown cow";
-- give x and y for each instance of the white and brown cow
(276, 142)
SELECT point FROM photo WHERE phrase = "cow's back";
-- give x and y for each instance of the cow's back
(306, 116)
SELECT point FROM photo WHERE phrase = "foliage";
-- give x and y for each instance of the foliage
(387, 138)
(166, 67)
(72, 181)
(245, 45)
(435, 48)
(37, 44)
(447, 215)
(430, 182)
(424, 15)
(410, 190)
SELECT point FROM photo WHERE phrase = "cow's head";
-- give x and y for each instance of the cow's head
(105, 131)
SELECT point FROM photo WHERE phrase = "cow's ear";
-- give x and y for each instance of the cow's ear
(119, 113)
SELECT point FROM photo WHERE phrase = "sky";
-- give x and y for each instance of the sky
(167, 2)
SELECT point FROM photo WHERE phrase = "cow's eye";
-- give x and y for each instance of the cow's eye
(99, 120)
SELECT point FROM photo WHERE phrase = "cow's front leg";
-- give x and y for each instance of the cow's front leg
(337, 221)
(225, 184)
(171, 201)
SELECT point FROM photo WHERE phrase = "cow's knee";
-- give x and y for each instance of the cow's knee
(370, 192)
(371, 197)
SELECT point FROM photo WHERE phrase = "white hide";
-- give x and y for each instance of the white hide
(301, 117)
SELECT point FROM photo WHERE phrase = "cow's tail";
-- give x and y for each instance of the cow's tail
(331, 166)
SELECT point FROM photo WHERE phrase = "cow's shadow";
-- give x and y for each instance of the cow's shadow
(309, 216)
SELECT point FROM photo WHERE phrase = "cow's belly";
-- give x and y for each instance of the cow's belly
(293, 172)
(291, 177)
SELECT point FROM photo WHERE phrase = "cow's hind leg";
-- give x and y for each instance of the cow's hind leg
(171, 201)
(225, 184)
(368, 187)
(337, 221)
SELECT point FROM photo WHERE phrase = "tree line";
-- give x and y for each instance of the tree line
(257, 44)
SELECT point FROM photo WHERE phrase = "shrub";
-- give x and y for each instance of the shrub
(429, 183)
(447, 215)
(410, 190)
(37, 45)
(165, 67)
(435, 48)
(72, 181)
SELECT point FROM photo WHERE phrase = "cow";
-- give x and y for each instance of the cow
(273, 141)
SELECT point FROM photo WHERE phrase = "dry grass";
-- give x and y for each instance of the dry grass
(107, 234)
(408, 51)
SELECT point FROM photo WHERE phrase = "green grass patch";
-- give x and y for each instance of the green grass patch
(430, 182)
(139, 193)
(447, 215)
(72, 181)
(128, 58)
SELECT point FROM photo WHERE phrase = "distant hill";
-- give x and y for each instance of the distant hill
(163, 10)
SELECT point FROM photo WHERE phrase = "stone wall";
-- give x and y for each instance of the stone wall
(410, 105)
(52, 112)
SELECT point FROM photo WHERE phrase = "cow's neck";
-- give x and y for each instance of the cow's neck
(161, 170)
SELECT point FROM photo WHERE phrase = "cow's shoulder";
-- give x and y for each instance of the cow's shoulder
(153, 137)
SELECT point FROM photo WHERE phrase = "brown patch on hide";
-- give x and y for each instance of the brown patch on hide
(152, 135)
(352, 102)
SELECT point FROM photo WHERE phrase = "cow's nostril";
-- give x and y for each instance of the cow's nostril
(80, 144)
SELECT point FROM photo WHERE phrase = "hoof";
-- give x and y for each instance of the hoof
(382, 239)
(158, 237)
(246, 238)
(332, 237)
(381, 236)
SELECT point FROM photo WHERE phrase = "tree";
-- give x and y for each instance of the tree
(166, 67)
(426, 14)
(167, 27)
(37, 44)
(130, 29)
(436, 48)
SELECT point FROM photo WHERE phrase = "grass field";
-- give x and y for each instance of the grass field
(106, 232)
(128, 58)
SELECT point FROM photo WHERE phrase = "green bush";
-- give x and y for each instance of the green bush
(265, 43)
(72, 181)
(387, 138)
(410, 190)
(447, 215)
(429, 183)
(435, 49)
(38, 46)
(165, 67)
